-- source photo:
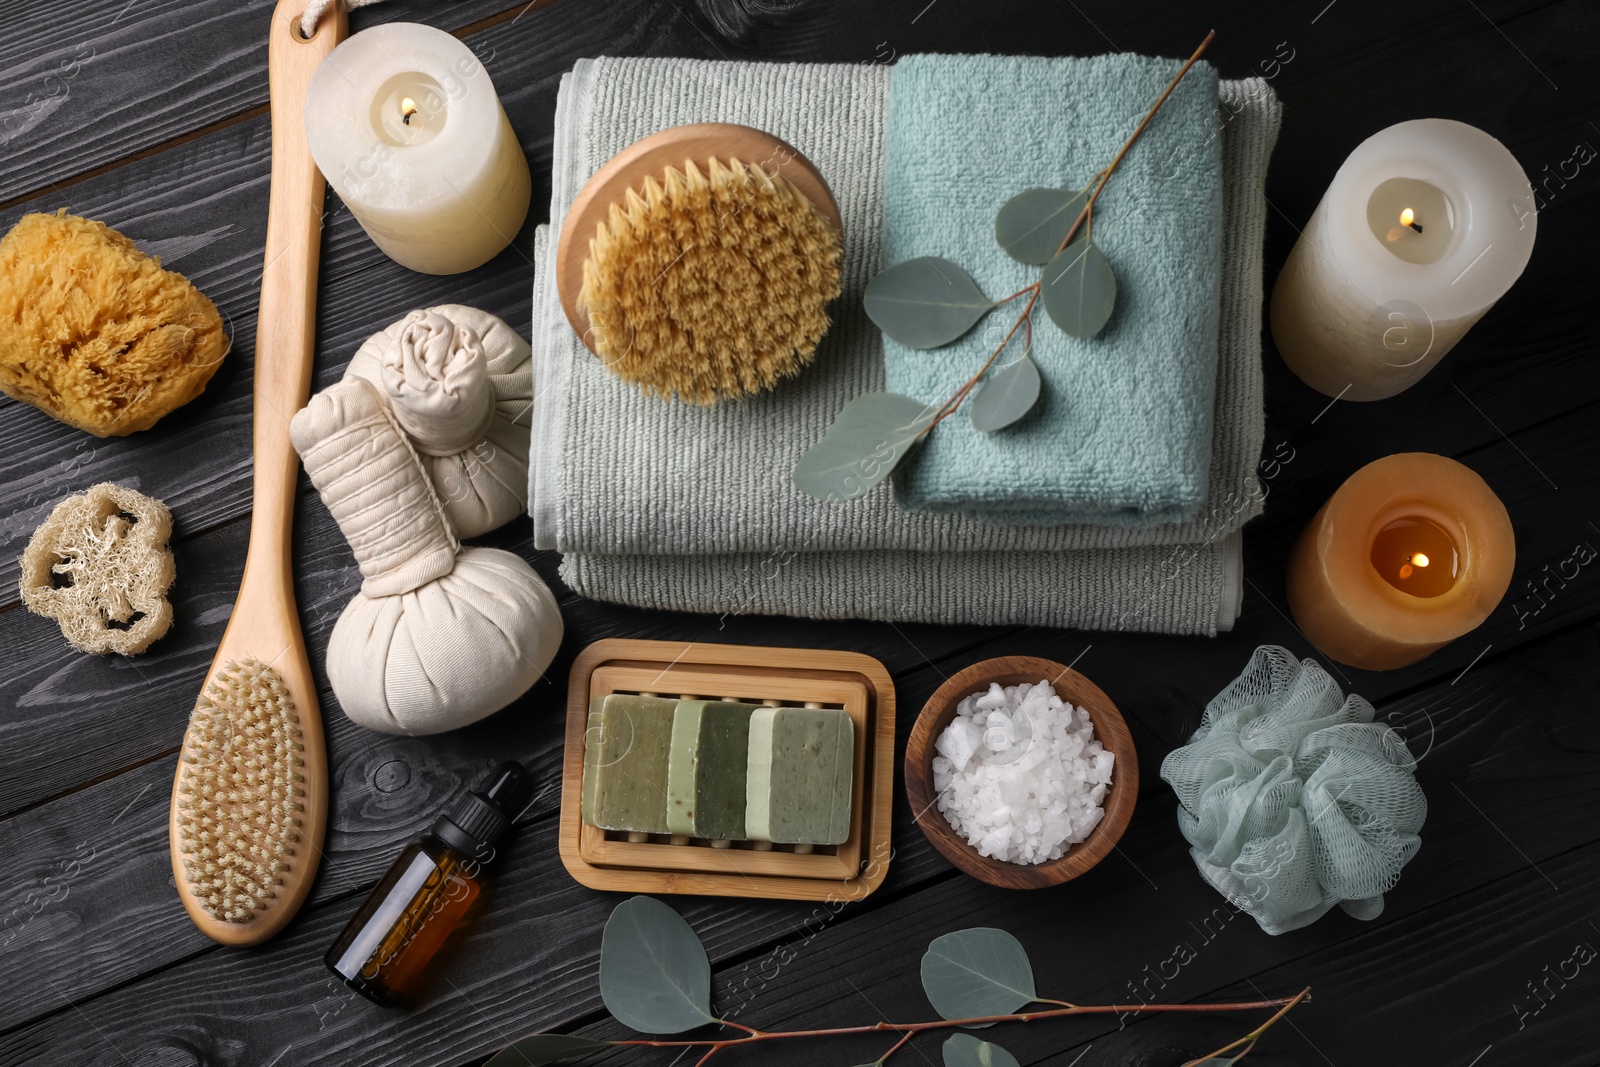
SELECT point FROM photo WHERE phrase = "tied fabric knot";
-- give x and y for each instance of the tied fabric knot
(437, 377)
(459, 383)
(315, 8)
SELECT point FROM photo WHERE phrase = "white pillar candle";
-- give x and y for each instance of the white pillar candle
(1425, 226)
(405, 125)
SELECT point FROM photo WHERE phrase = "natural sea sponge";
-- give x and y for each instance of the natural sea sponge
(710, 285)
(93, 332)
(100, 566)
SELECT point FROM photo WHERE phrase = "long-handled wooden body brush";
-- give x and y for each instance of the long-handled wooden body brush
(251, 795)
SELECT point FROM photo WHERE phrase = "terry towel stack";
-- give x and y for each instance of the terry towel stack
(673, 506)
(1121, 433)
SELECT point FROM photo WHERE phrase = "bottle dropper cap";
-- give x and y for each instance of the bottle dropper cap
(480, 818)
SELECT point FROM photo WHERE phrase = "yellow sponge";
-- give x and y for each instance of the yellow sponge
(93, 332)
(710, 285)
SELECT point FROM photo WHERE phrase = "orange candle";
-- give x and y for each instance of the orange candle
(1413, 551)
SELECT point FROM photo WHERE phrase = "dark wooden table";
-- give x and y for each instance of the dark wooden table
(151, 116)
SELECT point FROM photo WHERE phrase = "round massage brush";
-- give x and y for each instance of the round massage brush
(250, 798)
(699, 262)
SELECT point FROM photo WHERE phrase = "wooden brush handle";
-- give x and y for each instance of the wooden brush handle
(286, 325)
(265, 625)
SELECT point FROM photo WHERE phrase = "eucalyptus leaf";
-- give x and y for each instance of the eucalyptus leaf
(964, 1050)
(1006, 395)
(926, 302)
(654, 975)
(972, 973)
(539, 1049)
(1032, 224)
(1079, 289)
(869, 436)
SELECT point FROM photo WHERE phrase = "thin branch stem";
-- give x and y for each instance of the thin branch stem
(1013, 296)
(947, 1024)
(1255, 1035)
(1085, 217)
(1105, 175)
(954, 402)
(896, 1047)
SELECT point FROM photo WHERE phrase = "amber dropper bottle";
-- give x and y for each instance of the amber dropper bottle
(385, 950)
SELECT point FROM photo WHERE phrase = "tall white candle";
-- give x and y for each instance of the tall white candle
(1425, 226)
(405, 125)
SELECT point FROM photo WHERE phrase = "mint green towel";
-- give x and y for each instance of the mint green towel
(1122, 431)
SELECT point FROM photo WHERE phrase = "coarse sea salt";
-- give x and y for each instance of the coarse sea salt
(1019, 774)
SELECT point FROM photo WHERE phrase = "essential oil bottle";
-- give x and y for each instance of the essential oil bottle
(385, 950)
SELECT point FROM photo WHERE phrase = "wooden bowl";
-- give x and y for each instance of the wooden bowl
(1109, 729)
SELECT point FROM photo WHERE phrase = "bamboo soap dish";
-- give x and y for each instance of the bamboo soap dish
(792, 677)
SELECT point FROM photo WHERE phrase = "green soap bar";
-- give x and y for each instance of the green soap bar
(706, 770)
(798, 786)
(591, 756)
(625, 751)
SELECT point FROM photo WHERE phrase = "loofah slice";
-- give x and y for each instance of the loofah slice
(100, 566)
(239, 790)
(710, 284)
(93, 332)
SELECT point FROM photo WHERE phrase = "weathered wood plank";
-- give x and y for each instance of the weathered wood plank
(88, 84)
(1502, 973)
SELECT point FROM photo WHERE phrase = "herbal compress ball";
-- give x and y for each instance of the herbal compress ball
(93, 332)
(710, 285)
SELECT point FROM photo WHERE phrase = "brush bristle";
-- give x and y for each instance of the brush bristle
(710, 285)
(240, 784)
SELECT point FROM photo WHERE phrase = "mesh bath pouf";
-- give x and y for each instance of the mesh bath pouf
(1293, 799)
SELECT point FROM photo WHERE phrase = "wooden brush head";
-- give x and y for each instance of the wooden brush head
(242, 851)
(699, 262)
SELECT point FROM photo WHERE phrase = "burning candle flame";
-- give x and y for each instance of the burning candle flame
(408, 107)
(1409, 218)
(1420, 559)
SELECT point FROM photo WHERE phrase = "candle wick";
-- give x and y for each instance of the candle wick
(1417, 226)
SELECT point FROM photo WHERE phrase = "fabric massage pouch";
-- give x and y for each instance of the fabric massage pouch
(439, 636)
(459, 384)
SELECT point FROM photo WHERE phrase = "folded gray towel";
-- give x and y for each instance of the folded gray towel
(669, 505)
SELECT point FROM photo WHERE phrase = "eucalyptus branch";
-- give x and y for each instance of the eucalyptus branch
(1105, 175)
(951, 405)
(655, 977)
(910, 1030)
(1085, 218)
(929, 302)
(1249, 1040)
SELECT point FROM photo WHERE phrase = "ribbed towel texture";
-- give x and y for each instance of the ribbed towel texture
(680, 507)
(1121, 433)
